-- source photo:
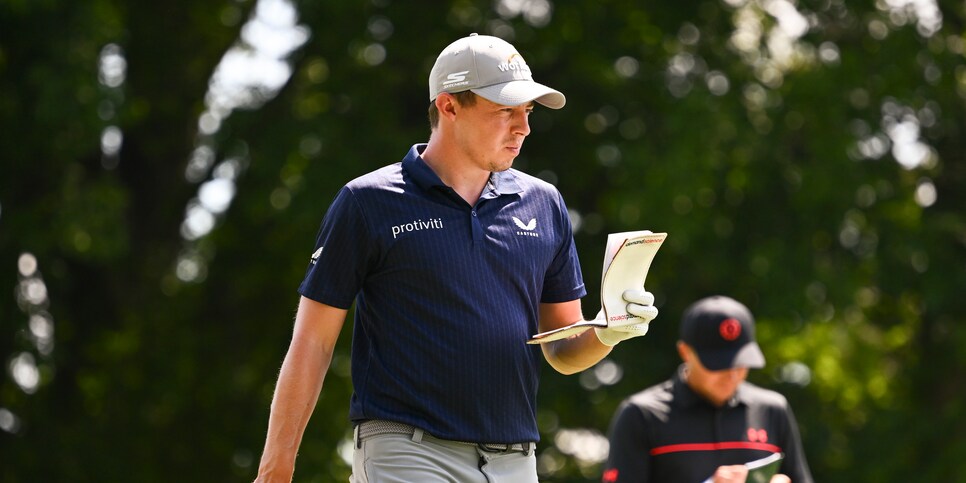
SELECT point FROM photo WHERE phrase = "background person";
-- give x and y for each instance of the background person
(453, 261)
(706, 416)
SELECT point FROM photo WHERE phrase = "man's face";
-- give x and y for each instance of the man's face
(715, 386)
(490, 134)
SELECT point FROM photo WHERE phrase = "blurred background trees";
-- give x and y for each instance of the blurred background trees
(164, 167)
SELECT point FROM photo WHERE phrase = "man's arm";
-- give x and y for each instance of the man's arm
(317, 327)
(794, 465)
(629, 457)
(575, 353)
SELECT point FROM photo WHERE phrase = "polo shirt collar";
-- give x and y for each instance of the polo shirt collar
(500, 183)
(687, 397)
(504, 183)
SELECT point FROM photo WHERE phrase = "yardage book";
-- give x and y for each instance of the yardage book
(761, 470)
(627, 259)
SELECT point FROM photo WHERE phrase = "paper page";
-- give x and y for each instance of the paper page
(761, 471)
(564, 332)
(614, 242)
(627, 270)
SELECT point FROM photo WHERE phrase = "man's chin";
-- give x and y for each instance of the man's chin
(497, 167)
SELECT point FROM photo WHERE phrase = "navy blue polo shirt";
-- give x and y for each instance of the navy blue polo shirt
(668, 433)
(446, 295)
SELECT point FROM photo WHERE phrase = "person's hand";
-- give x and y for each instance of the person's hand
(641, 304)
(739, 474)
(730, 474)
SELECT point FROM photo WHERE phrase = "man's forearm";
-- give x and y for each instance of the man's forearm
(296, 393)
(576, 353)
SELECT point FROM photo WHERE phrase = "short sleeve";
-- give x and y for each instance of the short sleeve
(342, 254)
(629, 459)
(564, 281)
(794, 465)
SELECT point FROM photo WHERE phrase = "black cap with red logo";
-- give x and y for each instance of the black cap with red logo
(722, 332)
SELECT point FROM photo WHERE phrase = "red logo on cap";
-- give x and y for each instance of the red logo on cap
(730, 329)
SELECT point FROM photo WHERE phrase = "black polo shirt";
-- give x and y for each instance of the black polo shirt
(447, 295)
(667, 433)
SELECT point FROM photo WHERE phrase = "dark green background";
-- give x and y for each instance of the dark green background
(763, 190)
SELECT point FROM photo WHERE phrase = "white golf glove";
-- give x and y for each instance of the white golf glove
(639, 303)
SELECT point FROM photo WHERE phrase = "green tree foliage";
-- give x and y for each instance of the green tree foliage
(157, 212)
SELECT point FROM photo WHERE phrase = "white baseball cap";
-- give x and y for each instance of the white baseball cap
(492, 69)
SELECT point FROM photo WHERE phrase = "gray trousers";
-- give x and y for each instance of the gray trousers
(398, 458)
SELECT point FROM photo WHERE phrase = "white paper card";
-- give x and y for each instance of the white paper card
(628, 269)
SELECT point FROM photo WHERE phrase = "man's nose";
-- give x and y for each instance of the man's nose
(521, 122)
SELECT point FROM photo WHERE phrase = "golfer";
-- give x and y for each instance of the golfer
(453, 260)
(706, 421)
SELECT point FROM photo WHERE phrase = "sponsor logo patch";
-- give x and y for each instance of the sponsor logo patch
(514, 62)
(456, 79)
(526, 229)
(417, 225)
(730, 329)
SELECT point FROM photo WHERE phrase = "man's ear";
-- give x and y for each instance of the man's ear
(446, 105)
(684, 351)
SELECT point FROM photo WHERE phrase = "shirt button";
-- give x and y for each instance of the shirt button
(473, 212)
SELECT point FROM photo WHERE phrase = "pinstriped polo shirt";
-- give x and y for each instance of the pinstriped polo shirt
(667, 433)
(446, 296)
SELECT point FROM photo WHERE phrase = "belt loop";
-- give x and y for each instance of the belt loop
(417, 435)
(355, 436)
(529, 448)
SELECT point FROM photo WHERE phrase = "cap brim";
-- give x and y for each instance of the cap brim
(514, 93)
(749, 355)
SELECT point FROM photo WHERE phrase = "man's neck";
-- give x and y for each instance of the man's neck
(456, 172)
